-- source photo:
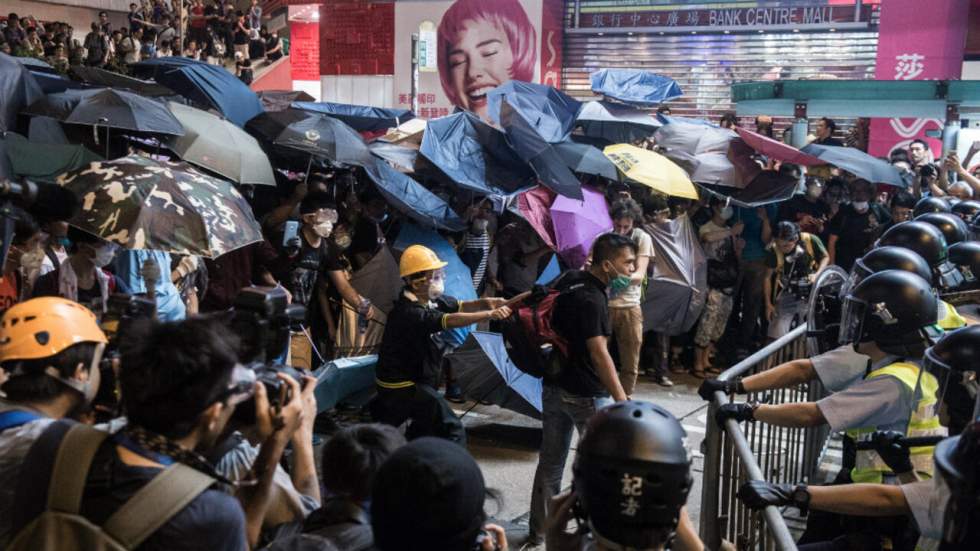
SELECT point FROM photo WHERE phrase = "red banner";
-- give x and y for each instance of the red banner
(304, 50)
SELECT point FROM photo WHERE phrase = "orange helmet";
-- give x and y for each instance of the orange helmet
(43, 327)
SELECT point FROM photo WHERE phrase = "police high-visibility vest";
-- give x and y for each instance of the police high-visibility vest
(869, 466)
(949, 318)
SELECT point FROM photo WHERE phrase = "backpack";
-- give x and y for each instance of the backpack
(61, 528)
(533, 343)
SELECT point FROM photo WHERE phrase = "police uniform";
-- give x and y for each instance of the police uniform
(927, 501)
(841, 367)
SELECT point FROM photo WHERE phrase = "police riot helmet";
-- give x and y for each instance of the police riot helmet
(930, 243)
(632, 475)
(955, 361)
(966, 257)
(975, 227)
(930, 204)
(957, 478)
(966, 210)
(893, 308)
(954, 229)
(890, 258)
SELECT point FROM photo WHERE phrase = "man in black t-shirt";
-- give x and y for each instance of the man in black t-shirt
(408, 361)
(808, 211)
(588, 376)
(856, 226)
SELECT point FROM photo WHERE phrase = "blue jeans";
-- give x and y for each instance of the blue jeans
(561, 412)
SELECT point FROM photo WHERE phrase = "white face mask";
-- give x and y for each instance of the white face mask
(437, 287)
(727, 212)
(323, 229)
(104, 255)
(860, 206)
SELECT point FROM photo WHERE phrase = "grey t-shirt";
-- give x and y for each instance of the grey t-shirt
(927, 501)
(14, 445)
(840, 368)
(883, 402)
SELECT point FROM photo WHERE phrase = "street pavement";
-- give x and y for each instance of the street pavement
(505, 444)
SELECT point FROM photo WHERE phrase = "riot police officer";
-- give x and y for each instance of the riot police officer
(966, 210)
(966, 257)
(926, 240)
(952, 227)
(930, 204)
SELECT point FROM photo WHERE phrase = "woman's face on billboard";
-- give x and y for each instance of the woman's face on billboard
(479, 61)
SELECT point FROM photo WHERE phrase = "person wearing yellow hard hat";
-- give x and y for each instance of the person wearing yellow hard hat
(409, 361)
(50, 349)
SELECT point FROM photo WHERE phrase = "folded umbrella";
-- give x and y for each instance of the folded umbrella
(709, 154)
(485, 372)
(586, 159)
(109, 108)
(577, 224)
(548, 111)
(764, 145)
(543, 158)
(635, 87)
(216, 144)
(652, 170)
(534, 206)
(18, 88)
(858, 163)
(474, 155)
(109, 79)
(44, 162)
(616, 123)
(279, 100)
(676, 293)
(767, 188)
(362, 118)
(141, 203)
(412, 198)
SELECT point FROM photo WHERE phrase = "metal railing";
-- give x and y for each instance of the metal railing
(757, 451)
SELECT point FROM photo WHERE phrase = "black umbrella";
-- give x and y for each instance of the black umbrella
(485, 372)
(766, 188)
(295, 134)
(616, 123)
(534, 150)
(102, 77)
(110, 108)
(586, 159)
(18, 88)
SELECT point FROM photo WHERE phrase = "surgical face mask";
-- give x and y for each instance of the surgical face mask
(104, 255)
(619, 282)
(63, 241)
(323, 229)
(860, 206)
(480, 225)
(727, 212)
(437, 286)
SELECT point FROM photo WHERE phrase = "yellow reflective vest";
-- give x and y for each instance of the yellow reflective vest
(949, 318)
(869, 467)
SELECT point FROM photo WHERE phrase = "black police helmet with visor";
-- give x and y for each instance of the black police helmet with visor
(953, 227)
(975, 228)
(888, 258)
(966, 257)
(632, 475)
(966, 210)
(955, 361)
(930, 243)
(930, 204)
(894, 309)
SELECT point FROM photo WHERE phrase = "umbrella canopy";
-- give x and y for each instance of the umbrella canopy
(548, 111)
(474, 155)
(412, 198)
(359, 117)
(641, 88)
(279, 100)
(110, 108)
(616, 123)
(484, 372)
(109, 79)
(217, 145)
(18, 88)
(324, 137)
(401, 157)
(44, 162)
(141, 203)
(378, 281)
(535, 206)
(764, 145)
(577, 224)
(858, 163)
(676, 293)
(200, 82)
(767, 188)
(651, 169)
(45, 130)
(586, 159)
(543, 158)
(711, 155)
(47, 77)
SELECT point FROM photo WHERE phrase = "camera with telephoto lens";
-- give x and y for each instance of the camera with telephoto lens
(263, 319)
(801, 287)
(121, 312)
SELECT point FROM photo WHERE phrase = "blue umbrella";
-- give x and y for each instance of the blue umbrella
(641, 88)
(474, 155)
(858, 163)
(551, 271)
(616, 123)
(403, 158)
(548, 164)
(200, 82)
(486, 373)
(459, 279)
(18, 88)
(586, 159)
(550, 112)
(412, 199)
(359, 117)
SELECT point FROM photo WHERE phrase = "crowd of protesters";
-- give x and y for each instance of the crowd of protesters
(214, 32)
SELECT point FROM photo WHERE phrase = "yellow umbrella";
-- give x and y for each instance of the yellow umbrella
(651, 169)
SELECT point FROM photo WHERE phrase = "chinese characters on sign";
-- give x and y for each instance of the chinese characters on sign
(731, 17)
(908, 66)
(632, 489)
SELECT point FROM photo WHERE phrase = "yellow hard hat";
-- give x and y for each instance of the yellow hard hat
(418, 258)
(43, 327)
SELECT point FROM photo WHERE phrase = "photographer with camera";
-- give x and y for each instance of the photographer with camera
(181, 383)
(793, 260)
(47, 381)
(409, 361)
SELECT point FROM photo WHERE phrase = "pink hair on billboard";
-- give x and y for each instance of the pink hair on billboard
(507, 15)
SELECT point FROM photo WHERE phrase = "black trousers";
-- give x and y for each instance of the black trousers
(428, 412)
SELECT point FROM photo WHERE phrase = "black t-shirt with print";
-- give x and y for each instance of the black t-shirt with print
(306, 267)
(407, 351)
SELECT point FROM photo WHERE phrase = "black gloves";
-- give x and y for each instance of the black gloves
(757, 494)
(892, 451)
(710, 386)
(738, 412)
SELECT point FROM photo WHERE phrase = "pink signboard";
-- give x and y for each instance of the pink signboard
(917, 44)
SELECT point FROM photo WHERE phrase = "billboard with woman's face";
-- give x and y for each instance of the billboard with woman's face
(479, 45)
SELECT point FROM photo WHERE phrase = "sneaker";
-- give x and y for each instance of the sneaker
(663, 380)
(454, 394)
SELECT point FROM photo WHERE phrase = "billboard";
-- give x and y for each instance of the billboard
(468, 47)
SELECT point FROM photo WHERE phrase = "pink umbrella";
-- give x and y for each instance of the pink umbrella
(578, 223)
(776, 150)
(534, 205)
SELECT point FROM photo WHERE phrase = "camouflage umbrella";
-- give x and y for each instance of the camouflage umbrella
(142, 203)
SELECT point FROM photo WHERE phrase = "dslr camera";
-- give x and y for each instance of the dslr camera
(121, 312)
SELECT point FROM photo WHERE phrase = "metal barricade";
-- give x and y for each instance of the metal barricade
(757, 451)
